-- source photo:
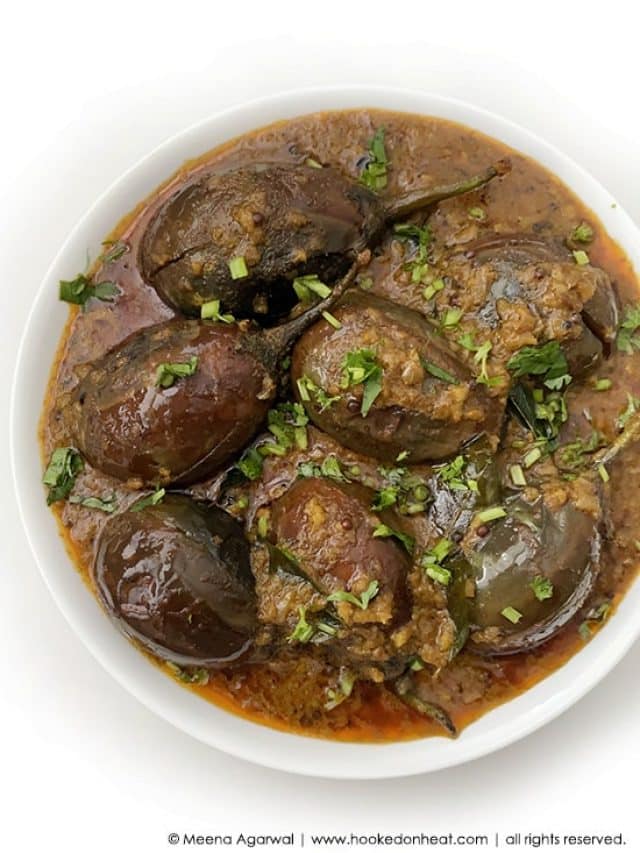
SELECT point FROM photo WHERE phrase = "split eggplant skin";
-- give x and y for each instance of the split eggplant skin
(510, 259)
(328, 526)
(533, 541)
(284, 219)
(176, 577)
(416, 413)
(128, 427)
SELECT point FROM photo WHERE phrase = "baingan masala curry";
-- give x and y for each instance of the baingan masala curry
(342, 425)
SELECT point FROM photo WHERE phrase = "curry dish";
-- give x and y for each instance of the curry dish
(342, 428)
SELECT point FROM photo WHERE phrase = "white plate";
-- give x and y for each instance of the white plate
(161, 694)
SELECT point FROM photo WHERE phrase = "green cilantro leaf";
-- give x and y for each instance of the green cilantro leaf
(546, 360)
(582, 233)
(148, 500)
(542, 587)
(360, 367)
(439, 372)
(627, 339)
(250, 464)
(374, 174)
(306, 285)
(63, 468)
(303, 631)
(383, 531)
(168, 372)
(211, 311)
(362, 602)
(103, 504)
(81, 289)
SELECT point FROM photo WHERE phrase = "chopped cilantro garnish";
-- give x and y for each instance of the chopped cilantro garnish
(432, 561)
(431, 289)
(287, 423)
(533, 456)
(597, 614)
(329, 468)
(114, 251)
(439, 372)
(211, 311)
(573, 455)
(263, 525)
(305, 285)
(410, 490)
(362, 601)
(308, 388)
(602, 384)
(238, 267)
(63, 468)
(451, 318)
(491, 514)
(189, 676)
(419, 264)
(582, 233)
(384, 531)
(103, 504)
(81, 289)
(477, 213)
(168, 372)
(346, 682)
(303, 631)
(149, 500)
(517, 475)
(453, 475)
(360, 367)
(481, 354)
(374, 174)
(331, 320)
(385, 497)
(250, 464)
(541, 411)
(513, 615)
(627, 340)
(546, 360)
(439, 574)
(542, 587)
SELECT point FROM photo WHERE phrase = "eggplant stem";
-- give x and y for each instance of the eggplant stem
(631, 433)
(414, 200)
(279, 338)
(403, 690)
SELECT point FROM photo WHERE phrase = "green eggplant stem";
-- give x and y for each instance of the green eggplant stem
(418, 199)
(630, 433)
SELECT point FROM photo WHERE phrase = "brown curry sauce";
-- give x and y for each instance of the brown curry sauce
(421, 150)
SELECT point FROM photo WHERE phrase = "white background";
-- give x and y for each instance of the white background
(86, 90)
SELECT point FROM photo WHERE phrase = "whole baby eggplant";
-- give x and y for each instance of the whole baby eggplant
(427, 405)
(176, 577)
(129, 423)
(524, 268)
(533, 572)
(278, 221)
(535, 564)
(328, 528)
